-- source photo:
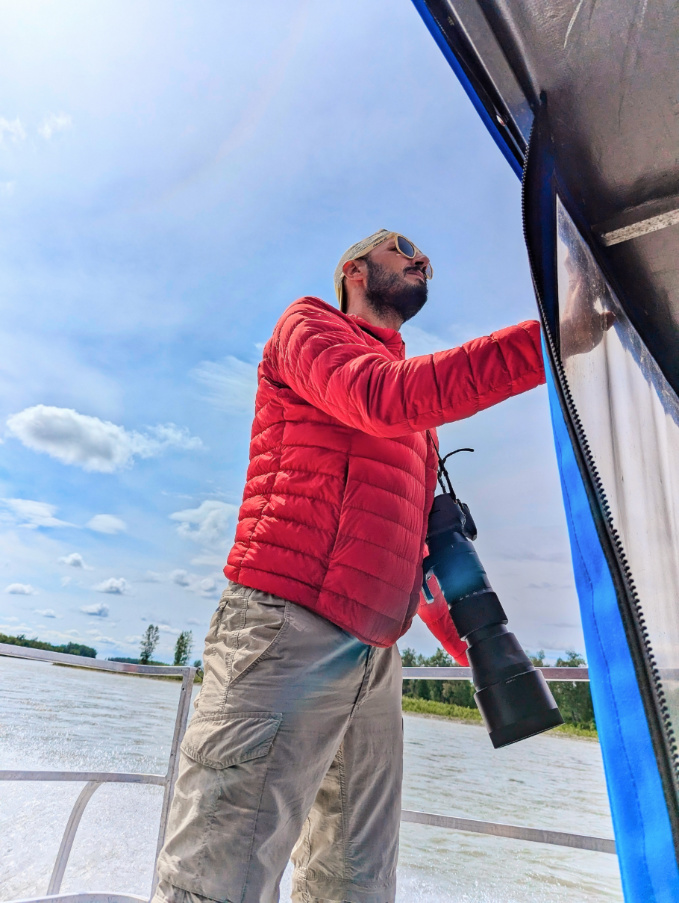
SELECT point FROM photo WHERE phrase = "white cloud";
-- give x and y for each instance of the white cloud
(13, 129)
(54, 122)
(21, 589)
(210, 524)
(106, 523)
(91, 443)
(206, 586)
(151, 577)
(74, 560)
(32, 514)
(231, 384)
(16, 628)
(7, 189)
(194, 622)
(96, 610)
(166, 435)
(180, 577)
(46, 612)
(165, 628)
(116, 586)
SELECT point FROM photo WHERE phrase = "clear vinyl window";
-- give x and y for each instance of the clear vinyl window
(630, 417)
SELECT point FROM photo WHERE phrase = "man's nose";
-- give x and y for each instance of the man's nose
(422, 261)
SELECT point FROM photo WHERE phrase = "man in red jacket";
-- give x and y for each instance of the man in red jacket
(296, 743)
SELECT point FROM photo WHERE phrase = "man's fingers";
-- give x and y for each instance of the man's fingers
(607, 319)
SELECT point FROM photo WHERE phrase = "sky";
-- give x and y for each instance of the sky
(172, 176)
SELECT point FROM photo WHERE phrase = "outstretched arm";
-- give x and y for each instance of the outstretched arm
(321, 358)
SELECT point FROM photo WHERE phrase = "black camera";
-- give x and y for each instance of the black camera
(512, 696)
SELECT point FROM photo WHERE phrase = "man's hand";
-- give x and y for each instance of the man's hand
(583, 325)
(437, 618)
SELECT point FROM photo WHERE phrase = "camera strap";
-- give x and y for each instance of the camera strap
(442, 471)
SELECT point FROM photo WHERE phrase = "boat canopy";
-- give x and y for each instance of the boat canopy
(582, 98)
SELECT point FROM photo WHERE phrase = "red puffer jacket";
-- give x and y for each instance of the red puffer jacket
(342, 475)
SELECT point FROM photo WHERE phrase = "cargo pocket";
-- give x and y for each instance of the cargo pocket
(215, 809)
(226, 740)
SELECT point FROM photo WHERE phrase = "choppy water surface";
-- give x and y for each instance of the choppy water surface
(66, 719)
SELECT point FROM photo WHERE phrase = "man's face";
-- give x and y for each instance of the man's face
(394, 282)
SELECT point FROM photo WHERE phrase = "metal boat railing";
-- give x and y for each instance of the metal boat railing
(497, 829)
(94, 779)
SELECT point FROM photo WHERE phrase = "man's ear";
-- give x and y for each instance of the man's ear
(354, 269)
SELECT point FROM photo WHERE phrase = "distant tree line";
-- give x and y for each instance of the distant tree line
(149, 641)
(573, 697)
(68, 648)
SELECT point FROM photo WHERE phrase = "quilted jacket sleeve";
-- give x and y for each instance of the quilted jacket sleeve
(320, 356)
(437, 618)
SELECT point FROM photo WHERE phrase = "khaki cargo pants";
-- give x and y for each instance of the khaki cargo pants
(296, 741)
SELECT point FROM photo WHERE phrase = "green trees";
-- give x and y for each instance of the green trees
(573, 697)
(456, 692)
(149, 641)
(572, 660)
(183, 646)
(68, 648)
(77, 649)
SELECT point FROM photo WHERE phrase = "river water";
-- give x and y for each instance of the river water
(67, 719)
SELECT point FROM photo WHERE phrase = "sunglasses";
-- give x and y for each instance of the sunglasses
(408, 249)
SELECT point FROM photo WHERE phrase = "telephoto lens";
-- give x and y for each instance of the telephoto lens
(512, 696)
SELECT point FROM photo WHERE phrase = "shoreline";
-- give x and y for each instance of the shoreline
(427, 708)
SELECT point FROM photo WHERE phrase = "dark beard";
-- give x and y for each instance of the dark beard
(389, 292)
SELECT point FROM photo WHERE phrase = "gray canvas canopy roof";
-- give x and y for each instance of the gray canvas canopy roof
(609, 71)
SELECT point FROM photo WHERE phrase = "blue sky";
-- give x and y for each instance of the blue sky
(172, 176)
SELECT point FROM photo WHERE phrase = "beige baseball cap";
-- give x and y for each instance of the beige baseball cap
(360, 249)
